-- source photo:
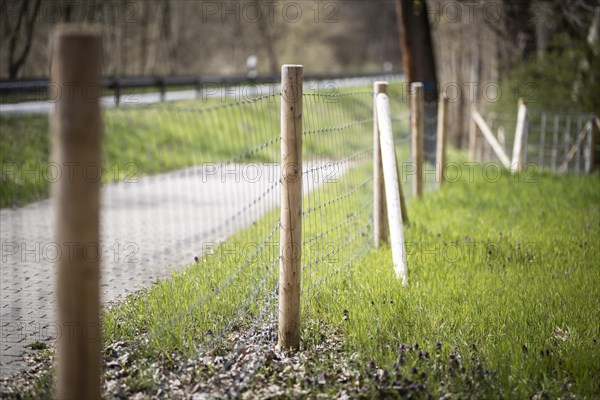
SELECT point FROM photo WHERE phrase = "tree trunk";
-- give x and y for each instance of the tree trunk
(15, 60)
(419, 60)
(269, 42)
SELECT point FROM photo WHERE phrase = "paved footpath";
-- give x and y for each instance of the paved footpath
(149, 228)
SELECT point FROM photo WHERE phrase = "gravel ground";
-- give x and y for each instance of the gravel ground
(246, 364)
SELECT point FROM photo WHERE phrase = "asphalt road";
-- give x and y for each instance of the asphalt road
(132, 98)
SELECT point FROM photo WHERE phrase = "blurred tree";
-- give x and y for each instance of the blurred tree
(208, 37)
(490, 52)
(19, 31)
(419, 61)
(417, 46)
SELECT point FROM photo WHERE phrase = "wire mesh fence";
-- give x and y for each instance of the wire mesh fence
(402, 139)
(190, 200)
(191, 196)
(233, 194)
(430, 120)
(177, 182)
(336, 220)
(549, 137)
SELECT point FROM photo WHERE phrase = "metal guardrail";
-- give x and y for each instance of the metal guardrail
(117, 84)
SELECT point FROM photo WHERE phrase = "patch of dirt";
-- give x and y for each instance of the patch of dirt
(247, 364)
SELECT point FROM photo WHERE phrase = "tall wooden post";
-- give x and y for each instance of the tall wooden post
(479, 148)
(488, 135)
(417, 128)
(380, 227)
(76, 142)
(517, 156)
(555, 144)
(502, 137)
(291, 207)
(524, 145)
(589, 154)
(487, 153)
(472, 135)
(440, 159)
(405, 220)
(392, 183)
(542, 152)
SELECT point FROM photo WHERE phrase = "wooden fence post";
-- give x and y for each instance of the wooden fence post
(589, 154)
(555, 144)
(567, 138)
(472, 135)
(491, 139)
(487, 149)
(402, 200)
(441, 140)
(392, 184)
(162, 85)
(479, 148)
(117, 92)
(380, 227)
(576, 146)
(291, 207)
(525, 143)
(76, 142)
(417, 128)
(517, 156)
(542, 151)
(501, 137)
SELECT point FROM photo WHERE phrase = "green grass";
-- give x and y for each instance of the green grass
(24, 149)
(504, 285)
(221, 290)
(523, 320)
(231, 286)
(541, 279)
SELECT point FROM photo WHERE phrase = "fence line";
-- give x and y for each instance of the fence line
(212, 185)
(542, 138)
(584, 133)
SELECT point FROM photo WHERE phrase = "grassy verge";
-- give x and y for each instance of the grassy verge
(503, 302)
(504, 289)
(503, 298)
(504, 295)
